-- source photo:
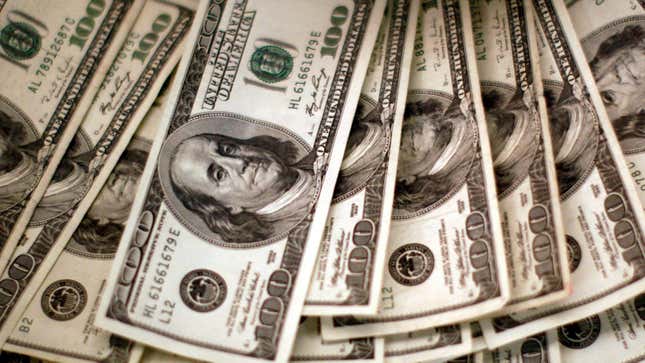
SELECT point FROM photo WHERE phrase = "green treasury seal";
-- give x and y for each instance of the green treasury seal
(271, 64)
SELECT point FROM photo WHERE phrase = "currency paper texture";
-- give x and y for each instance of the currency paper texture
(225, 228)
(309, 348)
(602, 215)
(616, 335)
(538, 348)
(149, 53)
(430, 344)
(54, 55)
(445, 259)
(348, 275)
(612, 34)
(518, 130)
(67, 298)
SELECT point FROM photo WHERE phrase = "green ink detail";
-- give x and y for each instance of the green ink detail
(271, 64)
(20, 40)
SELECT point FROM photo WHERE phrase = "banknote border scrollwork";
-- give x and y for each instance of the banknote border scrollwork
(181, 112)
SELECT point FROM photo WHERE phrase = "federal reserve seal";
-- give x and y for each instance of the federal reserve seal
(202, 290)
(64, 300)
(580, 334)
(20, 40)
(411, 264)
(271, 64)
(574, 254)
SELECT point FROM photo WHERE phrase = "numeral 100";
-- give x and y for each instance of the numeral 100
(333, 34)
(85, 26)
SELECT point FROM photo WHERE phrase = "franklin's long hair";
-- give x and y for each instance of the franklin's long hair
(11, 134)
(240, 227)
(104, 238)
(425, 190)
(632, 36)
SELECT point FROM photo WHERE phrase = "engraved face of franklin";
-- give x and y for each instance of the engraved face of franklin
(9, 156)
(115, 198)
(4, 153)
(499, 127)
(240, 176)
(422, 141)
(621, 82)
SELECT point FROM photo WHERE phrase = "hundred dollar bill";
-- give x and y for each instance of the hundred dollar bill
(53, 56)
(149, 53)
(308, 348)
(67, 298)
(227, 223)
(616, 335)
(612, 34)
(602, 215)
(518, 130)
(540, 348)
(445, 239)
(348, 274)
(430, 344)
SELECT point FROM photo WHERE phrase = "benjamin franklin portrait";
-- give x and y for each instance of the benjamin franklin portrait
(68, 185)
(435, 154)
(100, 230)
(364, 151)
(241, 185)
(618, 65)
(513, 138)
(574, 137)
(17, 162)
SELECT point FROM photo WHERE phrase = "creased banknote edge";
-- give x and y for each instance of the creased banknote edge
(443, 353)
(36, 280)
(68, 133)
(310, 251)
(384, 229)
(551, 174)
(473, 311)
(621, 294)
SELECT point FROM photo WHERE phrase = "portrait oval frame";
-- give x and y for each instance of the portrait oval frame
(556, 89)
(229, 125)
(590, 45)
(359, 184)
(446, 101)
(532, 135)
(78, 248)
(17, 115)
(42, 215)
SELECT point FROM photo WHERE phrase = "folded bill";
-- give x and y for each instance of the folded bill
(348, 275)
(309, 348)
(538, 348)
(431, 344)
(54, 55)
(445, 258)
(518, 129)
(68, 295)
(612, 35)
(602, 215)
(225, 228)
(132, 83)
(615, 335)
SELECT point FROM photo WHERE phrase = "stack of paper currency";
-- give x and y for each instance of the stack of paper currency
(322, 181)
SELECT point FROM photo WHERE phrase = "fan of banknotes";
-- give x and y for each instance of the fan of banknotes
(350, 181)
